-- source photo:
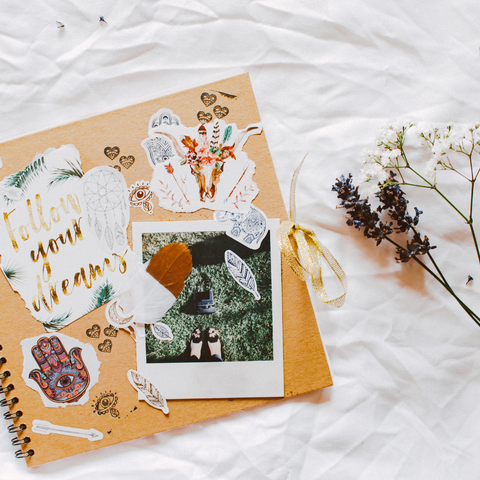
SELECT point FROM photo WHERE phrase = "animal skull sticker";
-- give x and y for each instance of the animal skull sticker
(200, 167)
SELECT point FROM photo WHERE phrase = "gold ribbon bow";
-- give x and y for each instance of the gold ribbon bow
(310, 250)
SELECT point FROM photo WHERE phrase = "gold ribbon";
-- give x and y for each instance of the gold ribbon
(303, 251)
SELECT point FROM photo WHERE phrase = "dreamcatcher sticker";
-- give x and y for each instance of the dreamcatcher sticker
(105, 196)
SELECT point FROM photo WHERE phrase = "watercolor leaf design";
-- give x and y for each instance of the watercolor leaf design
(101, 295)
(227, 134)
(56, 323)
(63, 174)
(14, 273)
(23, 178)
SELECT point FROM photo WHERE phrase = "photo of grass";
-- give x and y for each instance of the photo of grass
(244, 324)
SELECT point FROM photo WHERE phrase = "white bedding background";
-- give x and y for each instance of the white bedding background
(327, 75)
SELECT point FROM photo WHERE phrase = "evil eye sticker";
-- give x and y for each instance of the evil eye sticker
(139, 195)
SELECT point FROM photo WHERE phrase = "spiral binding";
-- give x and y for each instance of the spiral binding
(13, 415)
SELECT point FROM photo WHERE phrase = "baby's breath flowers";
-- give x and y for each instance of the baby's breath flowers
(393, 203)
(450, 145)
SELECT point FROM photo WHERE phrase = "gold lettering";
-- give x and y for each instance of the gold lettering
(10, 230)
(40, 299)
(75, 205)
(64, 206)
(46, 269)
(55, 216)
(44, 224)
(83, 276)
(76, 229)
(64, 287)
(53, 247)
(123, 264)
(23, 232)
(30, 215)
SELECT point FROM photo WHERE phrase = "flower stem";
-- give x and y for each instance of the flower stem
(433, 186)
(441, 280)
(470, 223)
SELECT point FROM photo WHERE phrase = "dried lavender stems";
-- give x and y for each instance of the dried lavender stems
(394, 204)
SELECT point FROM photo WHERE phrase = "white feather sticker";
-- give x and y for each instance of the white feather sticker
(241, 273)
(148, 391)
(161, 331)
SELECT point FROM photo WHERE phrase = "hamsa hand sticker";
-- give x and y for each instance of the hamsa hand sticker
(62, 375)
(200, 167)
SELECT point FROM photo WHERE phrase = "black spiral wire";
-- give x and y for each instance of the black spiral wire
(10, 415)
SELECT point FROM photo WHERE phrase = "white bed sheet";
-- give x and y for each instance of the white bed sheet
(327, 75)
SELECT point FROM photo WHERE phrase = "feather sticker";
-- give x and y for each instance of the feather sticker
(119, 235)
(227, 134)
(171, 266)
(161, 331)
(98, 229)
(148, 391)
(109, 237)
(241, 273)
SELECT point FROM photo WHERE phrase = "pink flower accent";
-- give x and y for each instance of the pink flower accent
(209, 159)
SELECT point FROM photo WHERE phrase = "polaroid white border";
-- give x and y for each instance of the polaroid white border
(201, 380)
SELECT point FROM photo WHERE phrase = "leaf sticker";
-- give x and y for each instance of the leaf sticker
(227, 134)
(241, 273)
(98, 228)
(109, 237)
(148, 391)
(161, 331)
(119, 236)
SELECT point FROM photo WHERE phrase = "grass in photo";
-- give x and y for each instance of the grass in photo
(244, 324)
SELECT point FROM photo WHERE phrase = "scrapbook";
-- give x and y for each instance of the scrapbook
(143, 287)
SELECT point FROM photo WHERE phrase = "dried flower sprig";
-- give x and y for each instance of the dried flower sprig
(394, 204)
(450, 146)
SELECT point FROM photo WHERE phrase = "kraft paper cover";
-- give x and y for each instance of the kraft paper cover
(305, 365)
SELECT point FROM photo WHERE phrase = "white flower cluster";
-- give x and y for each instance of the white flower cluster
(442, 140)
(377, 163)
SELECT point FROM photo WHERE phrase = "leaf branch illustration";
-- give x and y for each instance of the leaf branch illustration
(170, 170)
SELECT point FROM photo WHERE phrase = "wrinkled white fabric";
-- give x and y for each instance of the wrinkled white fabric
(326, 76)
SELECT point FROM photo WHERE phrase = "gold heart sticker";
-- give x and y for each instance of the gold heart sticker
(204, 117)
(105, 347)
(208, 99)
(127, 162)
(220, 112)
(111, 152)
(93, 332)
(110, 331)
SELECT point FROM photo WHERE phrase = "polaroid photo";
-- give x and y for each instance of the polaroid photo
(226, 336)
